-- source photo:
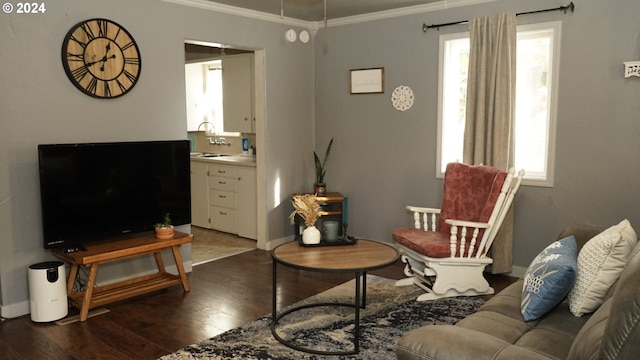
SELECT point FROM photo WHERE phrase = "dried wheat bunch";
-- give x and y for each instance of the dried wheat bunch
(307, 207)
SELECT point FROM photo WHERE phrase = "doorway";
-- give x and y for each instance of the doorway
(221, 244)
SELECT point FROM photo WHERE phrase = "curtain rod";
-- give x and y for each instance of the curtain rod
(569, 7)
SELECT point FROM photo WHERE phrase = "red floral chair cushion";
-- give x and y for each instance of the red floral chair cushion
(470, 194)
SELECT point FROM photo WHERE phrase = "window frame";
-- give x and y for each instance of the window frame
(555, 27)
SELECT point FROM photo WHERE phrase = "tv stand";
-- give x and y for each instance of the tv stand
(116, 250)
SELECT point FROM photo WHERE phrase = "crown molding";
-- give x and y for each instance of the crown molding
(315, 25)
(409, 10)
(234, 10)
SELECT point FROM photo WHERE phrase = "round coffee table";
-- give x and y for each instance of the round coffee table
(359, 258)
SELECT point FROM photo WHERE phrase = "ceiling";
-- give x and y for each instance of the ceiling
(313, 10)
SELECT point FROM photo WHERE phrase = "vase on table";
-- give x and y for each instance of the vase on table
(311, 235)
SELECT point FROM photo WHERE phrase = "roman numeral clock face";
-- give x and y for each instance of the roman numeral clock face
(101, 58)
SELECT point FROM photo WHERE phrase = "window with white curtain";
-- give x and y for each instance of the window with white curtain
(536, 88)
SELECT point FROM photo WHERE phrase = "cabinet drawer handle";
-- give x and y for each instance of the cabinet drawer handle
(222, 172)
(222, 196)
(223, 213)
(222, 182)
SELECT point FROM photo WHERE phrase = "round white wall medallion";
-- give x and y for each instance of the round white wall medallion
(304, 36)
(291, 35)
(402, 98)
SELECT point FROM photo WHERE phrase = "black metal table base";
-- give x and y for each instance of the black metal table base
(359, 303)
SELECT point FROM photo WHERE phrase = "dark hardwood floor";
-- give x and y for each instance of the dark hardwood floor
(224, 294)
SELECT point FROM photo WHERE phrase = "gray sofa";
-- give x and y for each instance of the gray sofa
(498, 331)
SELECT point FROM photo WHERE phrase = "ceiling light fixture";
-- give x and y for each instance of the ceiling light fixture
(304, 36)
(290, 35)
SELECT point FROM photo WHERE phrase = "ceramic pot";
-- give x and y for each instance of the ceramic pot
(320, 189)
(311, 235)
(164, 233)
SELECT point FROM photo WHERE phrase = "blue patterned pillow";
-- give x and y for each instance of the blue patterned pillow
(549, 278)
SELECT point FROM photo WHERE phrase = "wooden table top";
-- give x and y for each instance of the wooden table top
(365, 255)
(125, 246)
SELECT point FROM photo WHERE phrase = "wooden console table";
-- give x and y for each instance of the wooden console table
(129, 247)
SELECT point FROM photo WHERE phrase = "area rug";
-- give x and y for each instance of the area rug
(390, 312)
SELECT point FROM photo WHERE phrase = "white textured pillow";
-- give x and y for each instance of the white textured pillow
(600, 263)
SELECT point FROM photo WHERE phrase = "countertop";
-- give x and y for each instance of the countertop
(240, 160)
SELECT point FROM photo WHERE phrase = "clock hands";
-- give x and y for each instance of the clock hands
(104, 58)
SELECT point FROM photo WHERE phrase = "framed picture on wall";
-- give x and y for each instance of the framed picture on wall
(367, 81)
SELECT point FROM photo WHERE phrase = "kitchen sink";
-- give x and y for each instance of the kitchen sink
(213, 155)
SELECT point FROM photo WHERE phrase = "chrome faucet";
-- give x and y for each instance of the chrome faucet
(206, 130)
(213, 140)
(218, 141)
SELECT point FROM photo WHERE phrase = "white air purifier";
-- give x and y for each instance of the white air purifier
(48, 291)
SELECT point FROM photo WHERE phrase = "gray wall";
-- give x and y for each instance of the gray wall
(385, 159)
(382, 158)
(38, 104)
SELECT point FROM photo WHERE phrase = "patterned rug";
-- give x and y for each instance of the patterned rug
(390, 312)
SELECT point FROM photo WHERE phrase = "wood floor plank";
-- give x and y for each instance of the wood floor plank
(225, 294)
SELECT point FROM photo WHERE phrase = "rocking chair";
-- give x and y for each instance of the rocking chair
(446, 252)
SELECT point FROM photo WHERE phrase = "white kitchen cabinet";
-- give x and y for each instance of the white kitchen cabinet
(238, 93)
(199, 194)
(247, 202)
(194, 87)
(222, 198)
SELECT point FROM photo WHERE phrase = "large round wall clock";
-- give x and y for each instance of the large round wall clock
(101, 58)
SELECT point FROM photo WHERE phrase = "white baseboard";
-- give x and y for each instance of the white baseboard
(15, 310)
(270, 245)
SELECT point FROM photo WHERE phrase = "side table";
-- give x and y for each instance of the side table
(364, 256)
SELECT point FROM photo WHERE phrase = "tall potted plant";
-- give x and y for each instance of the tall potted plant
(320, 188)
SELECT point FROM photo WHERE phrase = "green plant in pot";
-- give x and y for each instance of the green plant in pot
(164, 230)
(320, 188)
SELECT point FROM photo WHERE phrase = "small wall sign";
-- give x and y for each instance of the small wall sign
(631, 68)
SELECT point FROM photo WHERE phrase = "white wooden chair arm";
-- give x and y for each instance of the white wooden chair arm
(472, 224)
(429, 218)
(456, 244)
(423, 209)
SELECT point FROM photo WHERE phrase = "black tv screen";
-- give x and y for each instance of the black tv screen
(91, 191)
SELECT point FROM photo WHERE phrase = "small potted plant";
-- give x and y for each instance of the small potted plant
(306, 206)
(320, 188)
(164, 230)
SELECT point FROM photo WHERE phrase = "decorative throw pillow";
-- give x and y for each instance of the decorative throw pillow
(549, 278)
(600, 263)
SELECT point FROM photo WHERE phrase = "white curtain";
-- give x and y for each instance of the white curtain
(491, 91)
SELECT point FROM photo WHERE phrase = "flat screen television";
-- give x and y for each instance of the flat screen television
(91, 191)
